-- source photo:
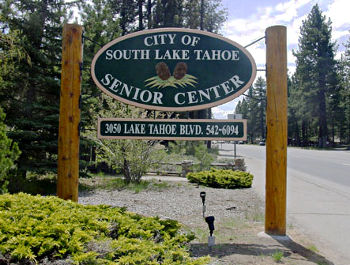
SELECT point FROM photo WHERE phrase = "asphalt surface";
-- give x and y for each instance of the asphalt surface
(318, 193)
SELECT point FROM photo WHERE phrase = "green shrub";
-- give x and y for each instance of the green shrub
(277, 256)
(222, 178)
(34, 228)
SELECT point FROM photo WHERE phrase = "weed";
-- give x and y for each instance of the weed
(118, 183)
(277, 256)
(236, 223)
(102, 175)
(255, 215)
(313, 248)
(201, 234)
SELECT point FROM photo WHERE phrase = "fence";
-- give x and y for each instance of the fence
(185, 166)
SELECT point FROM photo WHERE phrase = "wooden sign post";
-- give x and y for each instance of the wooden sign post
(276, 121)
(68, 139)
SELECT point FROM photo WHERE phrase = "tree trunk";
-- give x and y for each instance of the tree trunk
(209, 117)
(262, 124)
(149, 14)
(202, 15)
(123, 19)
(333, 131)
(140, 5)
(126, 167)
(165, 10)
(348, 130)
(297, 134)
(304, 138)
(322, 133)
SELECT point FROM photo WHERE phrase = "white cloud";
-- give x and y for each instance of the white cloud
(338, 11)
(338, 55)
(293, 30)
(220, 112)
(244, 31)
(247, 30)
(337, 34)
(291, 14)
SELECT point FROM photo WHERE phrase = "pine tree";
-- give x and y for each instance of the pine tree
(253, 108)
(260, 96)
(242, 108)
(101, 25)
(101, 22)
(344, 73)
(168, 13)
(31, 95)
(315, 71)
(294, 114)
(207, 15)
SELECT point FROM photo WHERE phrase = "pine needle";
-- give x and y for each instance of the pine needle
(187, 80)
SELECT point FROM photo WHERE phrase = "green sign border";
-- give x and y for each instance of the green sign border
(180, 108)
(211, 123)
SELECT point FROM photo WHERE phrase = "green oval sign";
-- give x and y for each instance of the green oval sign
(173, 69)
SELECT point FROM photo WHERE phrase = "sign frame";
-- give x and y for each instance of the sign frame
(225, 99)
(189, 121)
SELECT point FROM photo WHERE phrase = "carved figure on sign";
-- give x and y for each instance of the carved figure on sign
(180, 70)
(163, 78)
(163, 71)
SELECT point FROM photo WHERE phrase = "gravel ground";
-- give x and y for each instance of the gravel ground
(238, 221)
(180, 201)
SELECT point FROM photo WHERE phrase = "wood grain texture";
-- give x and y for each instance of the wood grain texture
(68, 139)
(276, 122)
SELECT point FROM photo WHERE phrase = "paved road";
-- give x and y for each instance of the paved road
(318, 193)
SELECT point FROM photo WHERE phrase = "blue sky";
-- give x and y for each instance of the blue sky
(248, 19)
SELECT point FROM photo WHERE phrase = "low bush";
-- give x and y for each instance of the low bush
(35, 229)
(222, 178)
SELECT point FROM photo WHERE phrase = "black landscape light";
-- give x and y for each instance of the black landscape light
(202, 194)
(210, 222)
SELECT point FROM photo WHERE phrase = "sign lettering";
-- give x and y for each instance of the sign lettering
(172, 129)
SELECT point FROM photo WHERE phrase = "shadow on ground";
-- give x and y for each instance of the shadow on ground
(304, 252)
(290, 249)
